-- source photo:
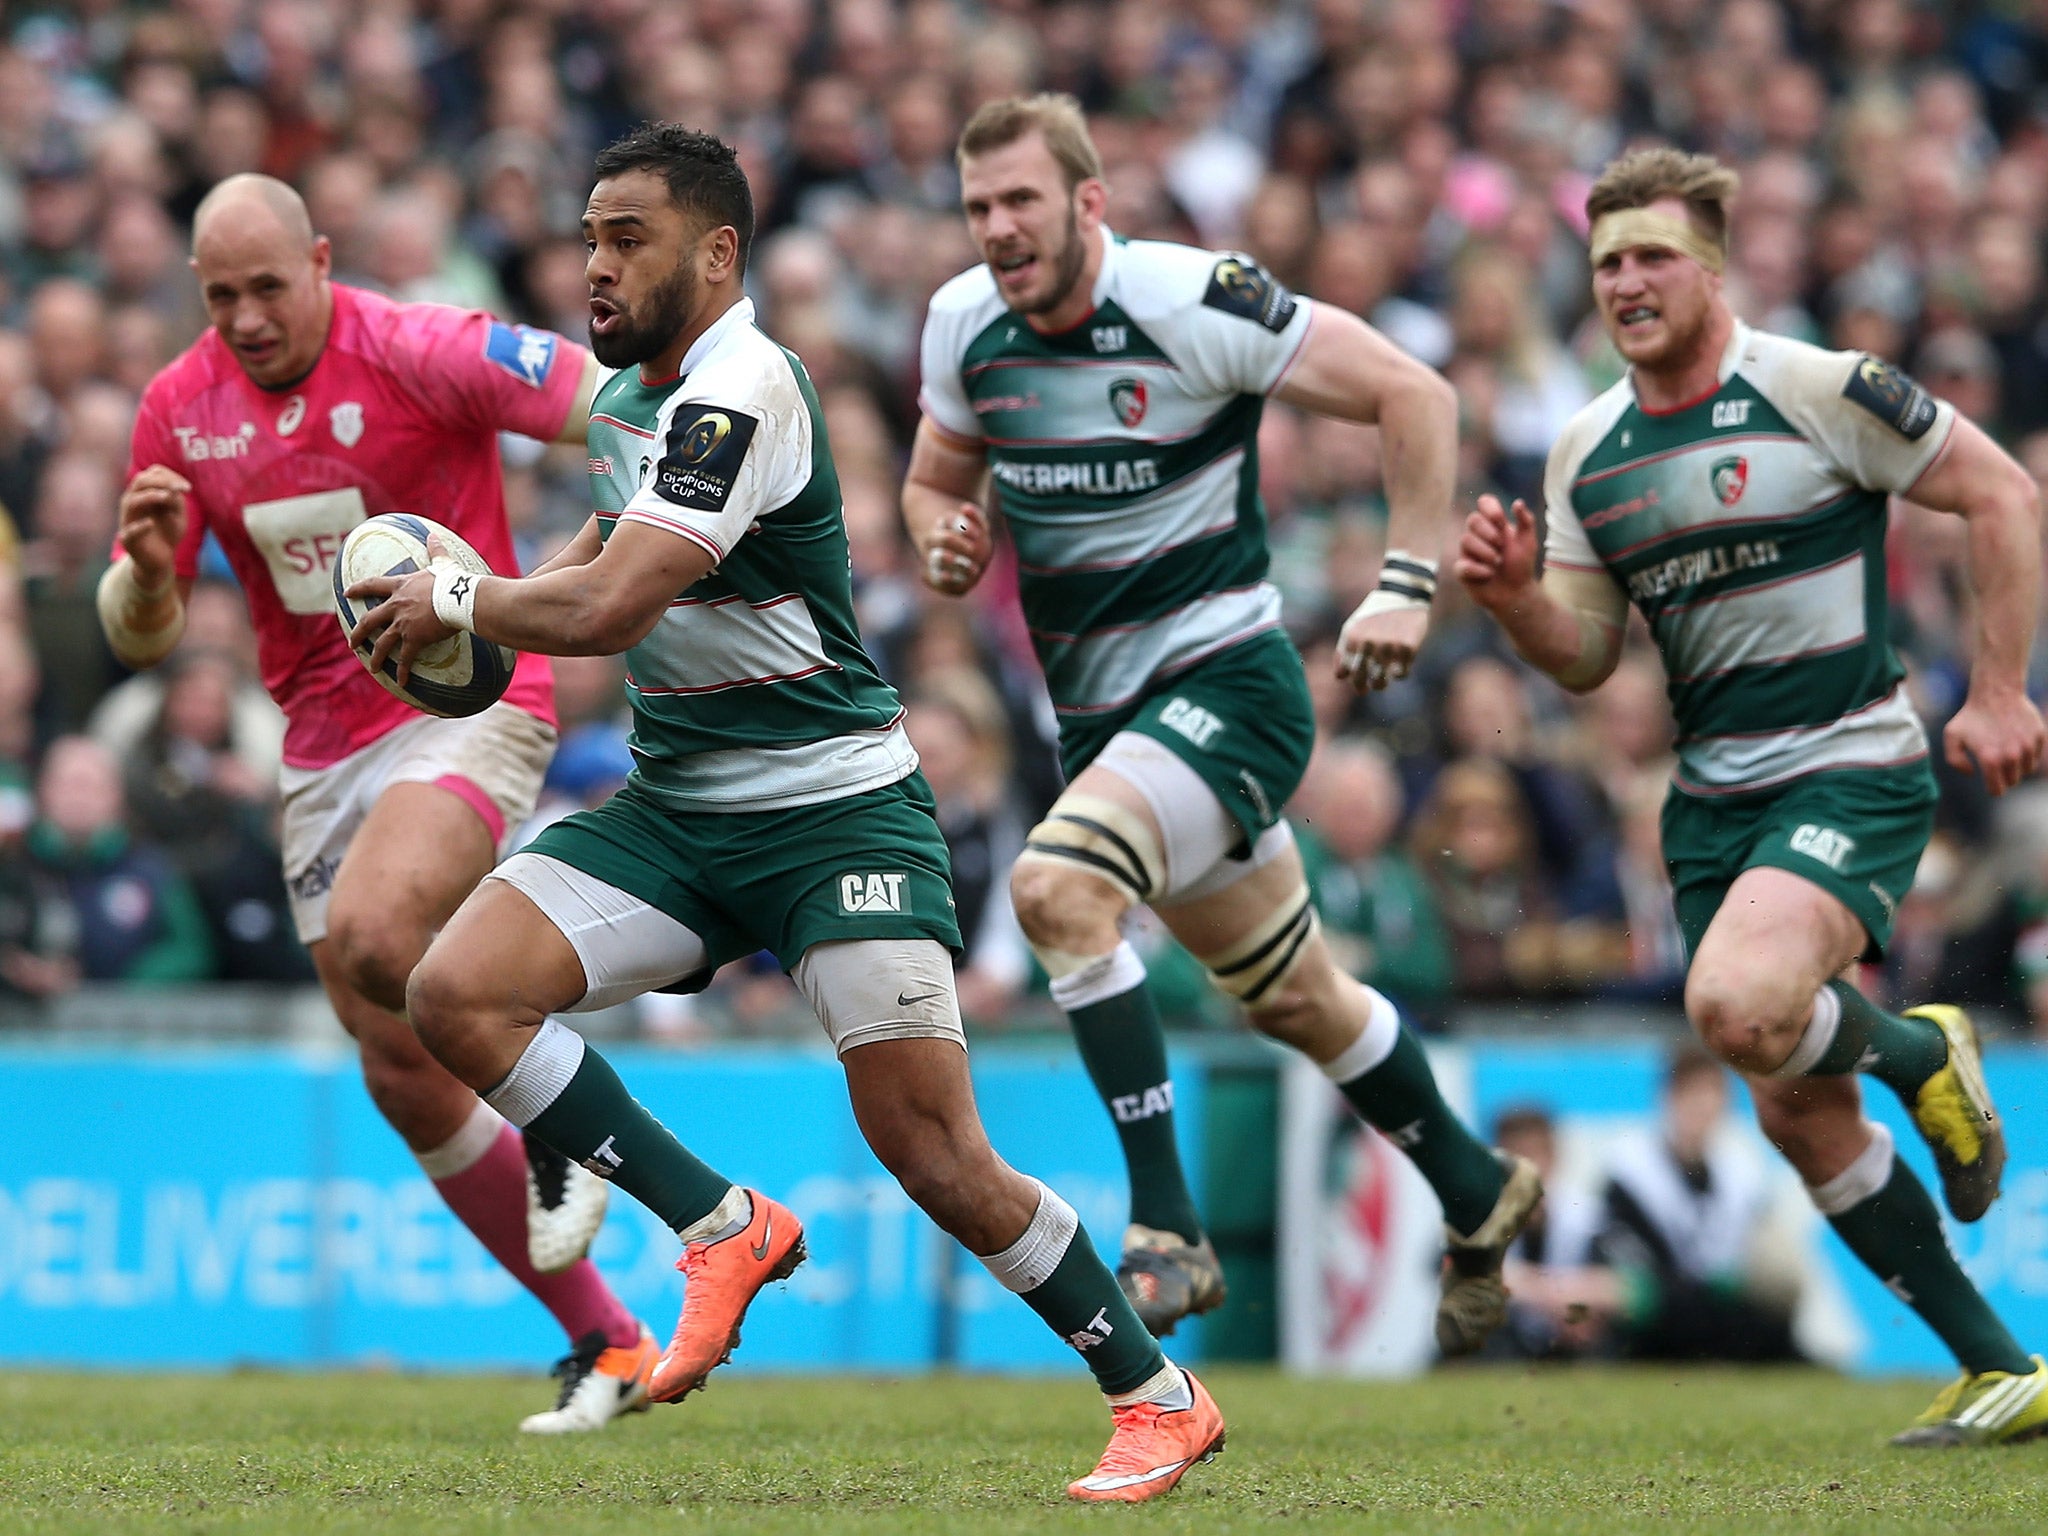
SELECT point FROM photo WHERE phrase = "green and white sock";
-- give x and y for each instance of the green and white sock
(1849, 1033)
(1123, 1047)
(566, 1094)
(1385, 1074)
(1057, 1271)
(1889, 1222)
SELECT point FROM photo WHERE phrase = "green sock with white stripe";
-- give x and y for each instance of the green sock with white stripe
(1850, 1033)
(1123, 1046)
(566, 1094)
(1056, 1270)
(1888, 1220)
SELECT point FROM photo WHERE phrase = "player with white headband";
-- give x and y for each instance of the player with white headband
(1735, 487)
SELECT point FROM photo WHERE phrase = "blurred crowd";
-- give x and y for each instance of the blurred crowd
(1475, 835)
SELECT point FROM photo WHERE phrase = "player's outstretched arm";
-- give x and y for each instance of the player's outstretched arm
(1349, 370)
(1998, 728)
(1568, 624)
(942, 509)
(141, 598)
(576, 427)
(598, 608)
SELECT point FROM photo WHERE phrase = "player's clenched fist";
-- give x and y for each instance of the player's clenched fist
(1497, 555)
(153, 521)
(2000, 734)
(957, 550)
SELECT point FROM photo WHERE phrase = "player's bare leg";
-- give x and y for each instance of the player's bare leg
(1072, 916)
(480, 1001)
(1259, 937)
(1761, 994)
(914, 1102)
(386, 904)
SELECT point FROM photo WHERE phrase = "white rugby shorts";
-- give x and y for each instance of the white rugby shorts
(494, 760)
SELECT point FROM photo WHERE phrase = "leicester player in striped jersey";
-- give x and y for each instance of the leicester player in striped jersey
(774, 803)
(1734, 486)
(1111, 392)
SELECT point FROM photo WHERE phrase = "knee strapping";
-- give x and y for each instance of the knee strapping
(1108, 840)
(1255, 967)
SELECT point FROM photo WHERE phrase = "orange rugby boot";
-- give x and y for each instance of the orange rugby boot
(1153, 1447)
(721, 1277)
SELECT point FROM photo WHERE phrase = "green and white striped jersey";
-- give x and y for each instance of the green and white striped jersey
(1124, 454)
(1749, 528)
(752, 693)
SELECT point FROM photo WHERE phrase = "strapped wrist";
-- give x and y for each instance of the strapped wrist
(455, 595)
(1410, 579)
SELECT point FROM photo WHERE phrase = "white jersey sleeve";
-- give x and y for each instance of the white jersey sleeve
(1879, 428)
(1224, 320)
(1565, 544)
(959, 312)
(736, 445)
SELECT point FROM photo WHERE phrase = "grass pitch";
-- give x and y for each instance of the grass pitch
(1468, 1451)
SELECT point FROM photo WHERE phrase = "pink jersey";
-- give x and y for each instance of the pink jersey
(401, 414)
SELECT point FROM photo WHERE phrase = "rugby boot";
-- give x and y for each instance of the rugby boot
(1167, 1278)
(1990, 1408)
(1153, 1446)
(1955, 1115)
(599, 1383)
(721, 1277)
(1474, 1300)
(565, 1205)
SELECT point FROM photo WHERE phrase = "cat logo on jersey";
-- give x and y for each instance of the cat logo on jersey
(1730, 477)
(1238, 286)
(1127, 399)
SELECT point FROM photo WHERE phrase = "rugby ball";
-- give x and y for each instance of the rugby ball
(462, 675)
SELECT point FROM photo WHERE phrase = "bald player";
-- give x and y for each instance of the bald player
(306, 408)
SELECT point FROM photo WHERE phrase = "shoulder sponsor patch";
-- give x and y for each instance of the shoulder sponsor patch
(1240, 286)
(706, 446)
(525, 353)
(1891, 397)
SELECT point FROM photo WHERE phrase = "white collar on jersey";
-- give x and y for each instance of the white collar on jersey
(1731, 356)
(1107, 274)
(740, 314)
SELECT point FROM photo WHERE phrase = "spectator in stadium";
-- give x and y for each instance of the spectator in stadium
(86, 901)
(195, 797)
(1475, 843)
(1562, 1301)
(73, 529)
(1686, 1222)
(955, 721)
(1379, 916)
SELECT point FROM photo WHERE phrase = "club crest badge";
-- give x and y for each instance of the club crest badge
(1127, 398)
(345, 421)
(1730, 479)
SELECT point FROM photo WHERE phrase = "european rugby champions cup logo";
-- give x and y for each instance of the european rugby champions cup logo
(1730, 478)
(704, 436)
(1127, 398)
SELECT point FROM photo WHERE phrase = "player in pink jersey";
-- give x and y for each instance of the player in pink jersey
(308, 407)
